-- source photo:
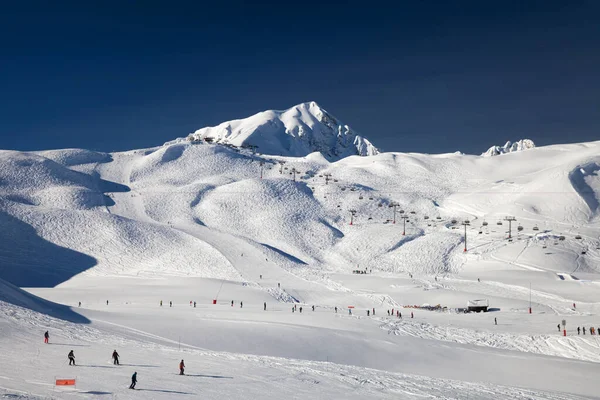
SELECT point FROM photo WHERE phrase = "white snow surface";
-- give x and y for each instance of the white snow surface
(191, 222)
(295, 132)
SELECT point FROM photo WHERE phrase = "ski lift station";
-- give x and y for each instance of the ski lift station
(480, 305)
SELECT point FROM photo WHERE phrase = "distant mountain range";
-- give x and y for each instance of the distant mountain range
(523, 144)
(296, 132)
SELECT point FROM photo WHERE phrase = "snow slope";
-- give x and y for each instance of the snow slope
(201, 222)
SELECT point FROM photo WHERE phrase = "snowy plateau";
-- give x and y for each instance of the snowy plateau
(287, 258)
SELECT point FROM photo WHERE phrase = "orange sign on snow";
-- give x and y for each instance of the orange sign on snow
(65, 382)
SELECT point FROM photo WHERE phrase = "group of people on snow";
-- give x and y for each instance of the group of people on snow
(115, 358)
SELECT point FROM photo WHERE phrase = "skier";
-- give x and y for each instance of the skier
(194, 304)
(300, 310)
(278, 285)
(241, 304)
(336, 309)
(412, 315)
(293, 309)
(170, 304)
(388, 312)
(368, 312)
(133, 380)
(349, 311)
(495, 321)
(397, 314)
(71, 358)
(161, 303)
(260, 276)
(558, 326)
(313, 308)
(400, 315)
(46, 337)
(181, 367)
(478, 280)
(106, 302)
(584, 330)
(79, 304)
(265, 306)
(231, 303)
(578, 330)
(115, 357)
(373, 311)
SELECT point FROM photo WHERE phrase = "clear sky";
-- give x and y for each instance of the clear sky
(426, 76)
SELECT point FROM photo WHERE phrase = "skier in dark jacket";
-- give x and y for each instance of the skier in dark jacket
(558, 326)
(115, 357)
(181, 368)
(46, 337)
(71, 358)
(578, 330)
(133, 380)
(265, 306)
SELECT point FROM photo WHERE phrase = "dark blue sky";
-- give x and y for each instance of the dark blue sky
(427, 76)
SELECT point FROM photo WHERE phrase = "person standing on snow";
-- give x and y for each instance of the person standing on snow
(558, 326)
(336, 309)
(170, 304)
(584, 330)
(412, 315)
(181, 368)
(46, 337)
(133, 380)
(400, 315)
(300, 310)
(495, 321)
(161, 303)
(71, 358)
(373, 311)
(265, 306)
(313, 307)
(115, 357)
(194, 304)
(578, 330)
(241, 304)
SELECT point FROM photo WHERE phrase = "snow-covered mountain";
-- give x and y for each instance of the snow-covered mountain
(295, 132)
(523, 144)
(209, 224)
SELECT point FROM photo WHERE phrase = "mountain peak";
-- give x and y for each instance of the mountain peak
(296, 132)
(523, 144)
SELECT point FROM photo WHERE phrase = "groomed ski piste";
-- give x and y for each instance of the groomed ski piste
(195, 222)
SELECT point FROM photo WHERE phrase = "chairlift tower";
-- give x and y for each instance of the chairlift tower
(465, 223)
(281, 166)
(293, 172)
(393, 205)
(352, 214)
(510, 221)
(404, 218)
(262, 167)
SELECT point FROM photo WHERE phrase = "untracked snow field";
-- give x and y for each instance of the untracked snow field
(92, 243)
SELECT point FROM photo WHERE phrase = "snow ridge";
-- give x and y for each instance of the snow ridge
(295, 132)
(523, 144)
